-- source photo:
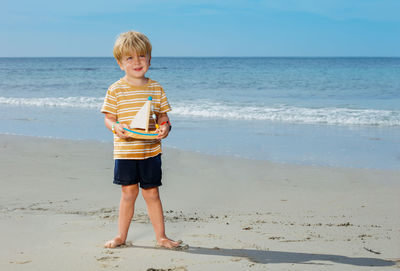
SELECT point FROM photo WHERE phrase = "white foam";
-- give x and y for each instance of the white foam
(290, 114)
(79, 102)
(214, 110)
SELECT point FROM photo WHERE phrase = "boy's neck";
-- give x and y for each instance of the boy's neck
(136, 81)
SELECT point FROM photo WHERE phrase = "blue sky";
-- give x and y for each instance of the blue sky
(203, 28)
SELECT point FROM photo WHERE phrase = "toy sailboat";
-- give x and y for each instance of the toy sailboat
(139, 127)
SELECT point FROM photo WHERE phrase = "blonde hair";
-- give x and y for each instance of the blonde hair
(131, 42)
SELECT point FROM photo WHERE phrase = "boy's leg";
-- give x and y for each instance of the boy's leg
(155, 210)
(129, 194)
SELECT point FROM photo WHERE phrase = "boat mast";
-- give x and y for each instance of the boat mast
(148, 114)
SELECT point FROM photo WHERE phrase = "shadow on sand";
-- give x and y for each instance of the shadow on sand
(270, 257)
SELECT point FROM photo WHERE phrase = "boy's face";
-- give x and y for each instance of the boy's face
(135, 66)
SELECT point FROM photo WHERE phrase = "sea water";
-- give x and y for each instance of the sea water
(318, 111)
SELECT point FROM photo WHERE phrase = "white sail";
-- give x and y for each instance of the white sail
(141, 119)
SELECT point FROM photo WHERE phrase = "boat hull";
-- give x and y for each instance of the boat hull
(141, 134)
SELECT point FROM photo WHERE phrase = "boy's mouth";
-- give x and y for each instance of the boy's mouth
(138, 69)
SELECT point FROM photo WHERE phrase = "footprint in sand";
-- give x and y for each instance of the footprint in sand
(107, 258)
(21, 262)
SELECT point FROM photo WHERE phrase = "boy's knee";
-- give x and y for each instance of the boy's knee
(130, 193)
(150, 194)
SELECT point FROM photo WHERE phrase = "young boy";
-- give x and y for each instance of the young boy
(137, 162)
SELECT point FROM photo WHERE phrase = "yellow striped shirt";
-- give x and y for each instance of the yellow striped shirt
(124, 100)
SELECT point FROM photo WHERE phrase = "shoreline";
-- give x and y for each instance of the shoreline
(235, 213)
(208, 153)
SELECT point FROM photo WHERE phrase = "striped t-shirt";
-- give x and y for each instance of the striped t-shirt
(124, 100)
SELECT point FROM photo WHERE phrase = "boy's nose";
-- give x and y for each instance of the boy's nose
(136, 59)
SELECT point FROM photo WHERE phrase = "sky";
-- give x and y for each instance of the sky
(88, 28)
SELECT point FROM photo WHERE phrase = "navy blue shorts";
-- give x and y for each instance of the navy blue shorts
(147, 173)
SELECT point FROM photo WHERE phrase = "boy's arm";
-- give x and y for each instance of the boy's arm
(110, 120)
(163, 129)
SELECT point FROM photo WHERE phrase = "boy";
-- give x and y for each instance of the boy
(137, 162)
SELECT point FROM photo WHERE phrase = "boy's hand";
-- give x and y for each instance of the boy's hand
(111, 120)
(119, 130)
(163, 131)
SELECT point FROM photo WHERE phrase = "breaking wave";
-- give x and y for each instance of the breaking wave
(212, 110)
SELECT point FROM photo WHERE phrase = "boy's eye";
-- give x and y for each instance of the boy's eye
(142, 56)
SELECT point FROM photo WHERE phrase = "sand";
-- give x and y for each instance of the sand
(58, 207)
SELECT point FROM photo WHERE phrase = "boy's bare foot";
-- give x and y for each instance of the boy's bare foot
(116, 242)
(169, 244)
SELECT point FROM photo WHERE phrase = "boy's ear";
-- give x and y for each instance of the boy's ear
(149, 60)
(120, 65)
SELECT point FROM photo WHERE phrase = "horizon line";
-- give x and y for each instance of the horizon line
(208, 56)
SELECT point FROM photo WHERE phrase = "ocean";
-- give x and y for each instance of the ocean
(341, 112)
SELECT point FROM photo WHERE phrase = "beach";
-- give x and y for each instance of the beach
(58, 207)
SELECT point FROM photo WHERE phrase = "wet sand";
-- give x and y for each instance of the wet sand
(58, 207)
